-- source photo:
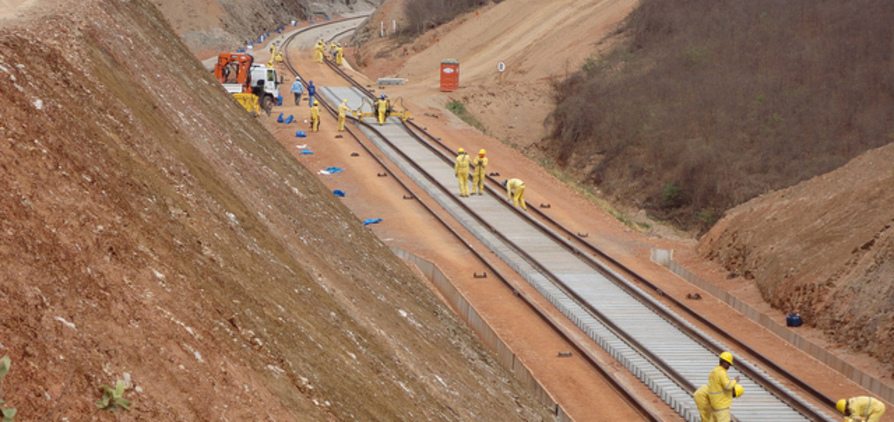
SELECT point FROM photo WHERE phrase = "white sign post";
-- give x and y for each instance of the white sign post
(501, 67)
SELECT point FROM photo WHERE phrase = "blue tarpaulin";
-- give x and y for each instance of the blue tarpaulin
(371, 221)
(279, 119)
(339, 193)
(300, 134)
(306, 152)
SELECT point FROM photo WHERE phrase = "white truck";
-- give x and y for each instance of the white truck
(241, 77)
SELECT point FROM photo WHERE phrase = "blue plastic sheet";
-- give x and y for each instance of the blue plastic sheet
(339, 193)
(289, 119)
(306, 152)
(300, 134)
(279, 119)
(371, 221)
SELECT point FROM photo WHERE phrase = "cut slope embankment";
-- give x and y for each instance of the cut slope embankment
(151, 230)
(822, 248)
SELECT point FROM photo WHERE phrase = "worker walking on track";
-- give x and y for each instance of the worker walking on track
(703, 402)
(479, 174)
(721, 389)
(314, 116)
(382, 106)
(342, 113)
(461, 170)
(515, 190)
(861, 408)
(297, 89)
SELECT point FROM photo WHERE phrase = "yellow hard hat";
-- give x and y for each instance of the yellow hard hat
(738, 391)
(727, 356)
(481, 152)
(346, 101)
(316, 103)
(841, 405)
(461, 150)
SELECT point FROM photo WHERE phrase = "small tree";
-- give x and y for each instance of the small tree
(8, 414)
(113, 399)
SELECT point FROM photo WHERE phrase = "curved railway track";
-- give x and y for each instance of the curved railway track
(662, 349)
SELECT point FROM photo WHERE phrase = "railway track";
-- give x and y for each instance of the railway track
(606, 300)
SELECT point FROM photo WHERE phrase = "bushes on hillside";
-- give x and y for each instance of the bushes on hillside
(725, 100)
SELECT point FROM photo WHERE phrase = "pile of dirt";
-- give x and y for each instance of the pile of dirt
(152, 232)
(822, 248)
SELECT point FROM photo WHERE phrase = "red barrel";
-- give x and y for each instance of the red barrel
(449, 75)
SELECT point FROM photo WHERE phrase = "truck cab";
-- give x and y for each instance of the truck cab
(265, 84)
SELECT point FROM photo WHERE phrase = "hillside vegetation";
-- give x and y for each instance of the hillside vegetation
(708, 104)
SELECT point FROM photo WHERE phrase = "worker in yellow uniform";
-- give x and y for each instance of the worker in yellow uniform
(479, 174)
(861, 408)
(318, 51)
(382, 106)
(703, 402)
(461, 170)
(315, 116)
(720, 388)
(515, 190)
(342, 113)
(339, 55)
(279, 57)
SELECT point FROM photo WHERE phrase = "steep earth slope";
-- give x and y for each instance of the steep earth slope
(823, 248)
(152, 235)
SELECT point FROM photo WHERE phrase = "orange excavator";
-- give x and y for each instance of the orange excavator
(255, 86)
(233, 70)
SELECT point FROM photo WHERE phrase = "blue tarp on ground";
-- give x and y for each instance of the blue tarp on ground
(289, 119)
(339, 193)
(371, 221)
(300, 134)
(306, 152)
(279, 119)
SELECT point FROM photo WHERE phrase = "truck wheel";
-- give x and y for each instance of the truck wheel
(267, 103)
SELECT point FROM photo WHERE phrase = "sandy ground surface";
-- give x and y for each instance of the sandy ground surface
(407, 226)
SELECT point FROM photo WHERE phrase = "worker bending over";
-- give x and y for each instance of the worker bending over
(318, 51)
(461, 171)
(515, 190)
(861, 408)
(342, 113)
(703, 402)
(721, 388)
(315, 116)
(479, 174)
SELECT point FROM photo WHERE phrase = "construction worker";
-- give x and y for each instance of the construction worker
(721, 388)
(461, 171)
(279, 58)
(339, 55)
(479, 174)
(297, 89)
(311, 93)
(515, 190)
(318, 51)
(314, 116)
(703, 402)
(861, 408)
(332, 50)
(342, 113)
(382, 105)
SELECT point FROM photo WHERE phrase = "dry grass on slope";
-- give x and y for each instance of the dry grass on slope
(713, 103)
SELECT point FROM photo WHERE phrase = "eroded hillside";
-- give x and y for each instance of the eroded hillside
(152, 232)
(823, 248)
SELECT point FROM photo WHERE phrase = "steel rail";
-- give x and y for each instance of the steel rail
(588, 357)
